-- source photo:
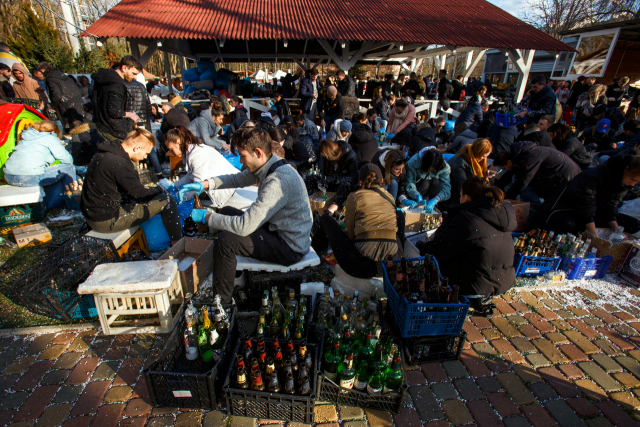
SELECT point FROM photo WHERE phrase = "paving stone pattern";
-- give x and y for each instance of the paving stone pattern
(537, 362)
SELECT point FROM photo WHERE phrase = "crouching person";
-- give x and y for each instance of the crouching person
(276, 228)
(113, 199)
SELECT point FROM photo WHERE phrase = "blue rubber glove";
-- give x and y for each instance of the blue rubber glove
(432, 204)
(410, 203)
(199, 215)
(420, 200)
(196, 186)
(169, 188)
(391, 135)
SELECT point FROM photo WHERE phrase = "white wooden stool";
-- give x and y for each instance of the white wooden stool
(135, 289)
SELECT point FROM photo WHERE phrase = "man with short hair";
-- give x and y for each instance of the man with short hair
(6, 90)
(110, 97)
(545, 122)
(208, 128)
(281, 104)
(617, 91)
(65, 96)
(172, 118)
(309, 127)
(398, 85)
(309, 90)
(473, 114)
(113, 199)
(331, 108)
(39, 77)
(541, 102)
(445, 90)
(276, 228)
(458, 87)
(346, 85)
(412, 87)
(383, 108)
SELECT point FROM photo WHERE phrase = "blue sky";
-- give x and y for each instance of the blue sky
(511, 6)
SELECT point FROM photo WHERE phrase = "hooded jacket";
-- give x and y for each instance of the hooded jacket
(238, 112)
(35, 152)
(112, 181)
(138, 102)
(415, 175)
(29, 87)
(472, 115)
(573, 148)
(299, 149)
(474, 247)
(502, 138)
(541, 104)
(109, 99)
(596, 192)
(205, 129)
(66, 97)
(425, 137)
(461, 170)
(364, 145)
(545, 169)
(464, 138)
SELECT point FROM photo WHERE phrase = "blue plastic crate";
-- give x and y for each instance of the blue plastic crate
(531, 266)
(508, 120)
(586, 268)
(72, 202)
(82, 306)
(420, 319)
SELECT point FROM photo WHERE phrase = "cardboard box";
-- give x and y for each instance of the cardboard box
(414, 218)
(195, 273)
(618, 251)
(318, 205)
(35, 234)
(630, 270)
(523, 209)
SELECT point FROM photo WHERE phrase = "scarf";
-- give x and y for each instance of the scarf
(398, 119)
(26, 88)
(479, 168)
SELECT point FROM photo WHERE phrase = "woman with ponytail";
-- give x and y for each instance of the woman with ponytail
(203, 163)
(470, 161)
(371, 230)
(473, 245)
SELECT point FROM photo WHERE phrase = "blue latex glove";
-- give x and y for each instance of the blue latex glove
(432, 204)
(196, 186)
(391, 135)
(169, 188)
(420, 200)
(410, 203)
(199, 215)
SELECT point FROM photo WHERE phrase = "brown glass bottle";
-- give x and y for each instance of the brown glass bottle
(197, 204)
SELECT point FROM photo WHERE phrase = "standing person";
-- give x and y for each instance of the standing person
(281, 104)
(473, 246)
(563, 93)
(445, 90)
(309, 90)
(542, 100)
(288, 86)
(617, 91)
(138, 102)
(387, 86)
(331, 108)
(564, 141)
(576, 90)
(428, 181)
(208, 128)
(113, 199)
(239, 111)
(109, 98)
(470, 161)
(398, 85)
(458, 88)
(276, 228)
(346, 85)
(27, 88)
(412, 87)
(6, 90)
(66, 97)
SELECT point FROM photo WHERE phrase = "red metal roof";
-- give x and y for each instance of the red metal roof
(474, 23)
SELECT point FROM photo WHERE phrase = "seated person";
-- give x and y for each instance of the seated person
(208, 128)
(600, 137)
(427, 180)
(372, 122)
(341, 130)
(338, 166)
(439, 126)
(363, 143)
(464, 136)
(564, 141)
(631, 135)
(425, 137)
(236, 125)
(473, 246)
(402, 121)
(370, 234)
(276, 228)
(172, 118)
(309, 127)
(392, 163)
(591, 199)
(113, 199)
(534, 134)
(543, 171)
(298, 148)
(470, 161)
(156, 113)
(31, 162)
(202, 162)
(545, 123)
(473, 114)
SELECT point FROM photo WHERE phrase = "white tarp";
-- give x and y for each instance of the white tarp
(278, 74)
(259, 75)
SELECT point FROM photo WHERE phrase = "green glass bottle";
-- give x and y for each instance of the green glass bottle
(299, 332)
(347, 373)
(285, 332)
(378, 360)
(262, 325)
(273, 326)
(365, 350)
(362, 376)
(393, 377)
(376, 382)
(345, 345)
(203, 344)
(331, 361)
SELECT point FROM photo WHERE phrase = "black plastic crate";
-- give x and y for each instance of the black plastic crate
(175, 382)
(259, 281)
(433, 349)
(50, 287)
(272, 406)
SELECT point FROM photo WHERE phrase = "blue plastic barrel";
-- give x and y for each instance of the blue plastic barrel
(155, 233)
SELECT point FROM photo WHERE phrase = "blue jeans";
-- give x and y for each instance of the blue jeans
(328, 121)
(53, 180)
(153, 157)
(393, 188)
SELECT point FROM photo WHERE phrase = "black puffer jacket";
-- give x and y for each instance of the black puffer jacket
(66, 97)
(594, 195)
(173, 119)
(299, 149)
(573, 148)
(474, 247)
(347, 87)
(545, 169)
(109, 99)
(112, 181)
(363, 144)
(139, 102)
(425, 137)
(347, 168)
(502, 138)
(461, 170)
(282, 108)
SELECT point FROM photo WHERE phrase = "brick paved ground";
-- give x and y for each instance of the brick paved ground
(565, 357)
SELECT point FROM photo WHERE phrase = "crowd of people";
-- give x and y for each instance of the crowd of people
(577, 176)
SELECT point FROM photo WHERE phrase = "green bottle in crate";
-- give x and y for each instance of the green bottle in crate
(376, 381)
(362, 376)
(347, 372)
(393, 377)
(331, 361)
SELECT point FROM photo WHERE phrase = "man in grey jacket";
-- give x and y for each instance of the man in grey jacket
(276, 228)
(207, 128)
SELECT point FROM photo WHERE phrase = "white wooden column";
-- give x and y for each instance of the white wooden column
(522, 60)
